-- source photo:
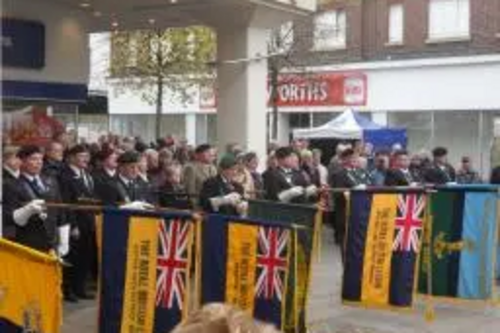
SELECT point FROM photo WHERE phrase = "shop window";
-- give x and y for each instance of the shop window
(300, 120)
(396, 23)
(330, 29)
(449, 19)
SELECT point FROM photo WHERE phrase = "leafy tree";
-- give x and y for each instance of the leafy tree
(154, 61)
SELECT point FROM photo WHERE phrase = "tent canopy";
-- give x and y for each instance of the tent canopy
(348, 125)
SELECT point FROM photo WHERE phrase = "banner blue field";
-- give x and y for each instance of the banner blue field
(382, 247)
(145, 270)
(246, 263)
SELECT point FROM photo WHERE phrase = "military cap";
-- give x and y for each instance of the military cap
(227, 162)
(129, 157)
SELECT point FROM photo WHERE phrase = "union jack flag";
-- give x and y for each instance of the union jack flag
(172, 264)
(271, 262)
(409, 222)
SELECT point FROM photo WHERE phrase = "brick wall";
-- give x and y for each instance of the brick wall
(367, 33)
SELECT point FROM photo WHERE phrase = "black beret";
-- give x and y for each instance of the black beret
(202, 148)
(28, 150)
(129, 157)
(227, 162)
(141, 147)
(283, 152)
(347, 153)
(78, 149)
(439, 152)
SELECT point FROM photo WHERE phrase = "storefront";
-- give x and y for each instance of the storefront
(451, 102)
(45, 61)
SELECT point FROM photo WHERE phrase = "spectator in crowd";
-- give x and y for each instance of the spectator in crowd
(251, 162)
(105, 170)
(53, 159)
(399, 174)
(145, 186)
(285, 183)
(123, 190)
(77, 187)
(11, 164)
(466, 173)
(244, 177)
(381, 165)
(10, 175)
(322, 170)
(35, 225)
(440, 172)
(416, 168)
(309, 168)
(222, 318)
(173, 194)
(220, 193)
(201, 169)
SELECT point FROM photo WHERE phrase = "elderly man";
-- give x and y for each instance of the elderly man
(36, 225)
(221, 194)
(196, 173)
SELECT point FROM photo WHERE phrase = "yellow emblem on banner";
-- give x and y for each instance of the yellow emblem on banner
(140, 278)
(378, 250)
(241, 265)
(30, 288)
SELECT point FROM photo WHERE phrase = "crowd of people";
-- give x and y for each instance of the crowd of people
(130, 174)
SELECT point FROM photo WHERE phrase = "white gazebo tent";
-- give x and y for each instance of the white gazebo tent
(349, 125)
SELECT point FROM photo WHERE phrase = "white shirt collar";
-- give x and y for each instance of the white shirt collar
(31, 178)
(76, 170)
(144, 177)
(13, 173)
(110, 173)
(126, 181)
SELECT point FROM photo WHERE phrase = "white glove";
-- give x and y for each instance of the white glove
(242, 208)
(137, 205)
(451, 183)
(414, 184)
(23, 214)
(360, 187)
(288, 195)
(230, 199)
(63, 246)
(311, 191)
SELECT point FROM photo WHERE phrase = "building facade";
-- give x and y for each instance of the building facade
(432, 66)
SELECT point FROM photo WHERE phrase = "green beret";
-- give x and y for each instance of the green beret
(129, 157)
(227, 162)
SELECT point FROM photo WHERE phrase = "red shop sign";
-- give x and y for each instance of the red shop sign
(326, 89)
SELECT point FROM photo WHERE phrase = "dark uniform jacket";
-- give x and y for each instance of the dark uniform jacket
(9, 182)
(218, 187)
(74, 189)
(40, 234)
(171, 196)
(279, 180)
(148, 190)
(439, 175)
(342, 178)
(398, 177)
(117, 192)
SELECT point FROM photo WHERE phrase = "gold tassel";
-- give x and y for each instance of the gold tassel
(296, 276)
(198, 261)
(430, 314)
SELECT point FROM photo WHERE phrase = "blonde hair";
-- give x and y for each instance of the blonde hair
(222, 318)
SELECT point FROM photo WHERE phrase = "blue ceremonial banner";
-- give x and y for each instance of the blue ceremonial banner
(145, 261)
(246, 263)
(23, 43)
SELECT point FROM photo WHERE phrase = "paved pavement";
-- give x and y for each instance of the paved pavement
(327, 315)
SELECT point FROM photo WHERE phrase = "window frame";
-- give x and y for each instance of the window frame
(327, 38)
(456, 34)
(390, 41)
